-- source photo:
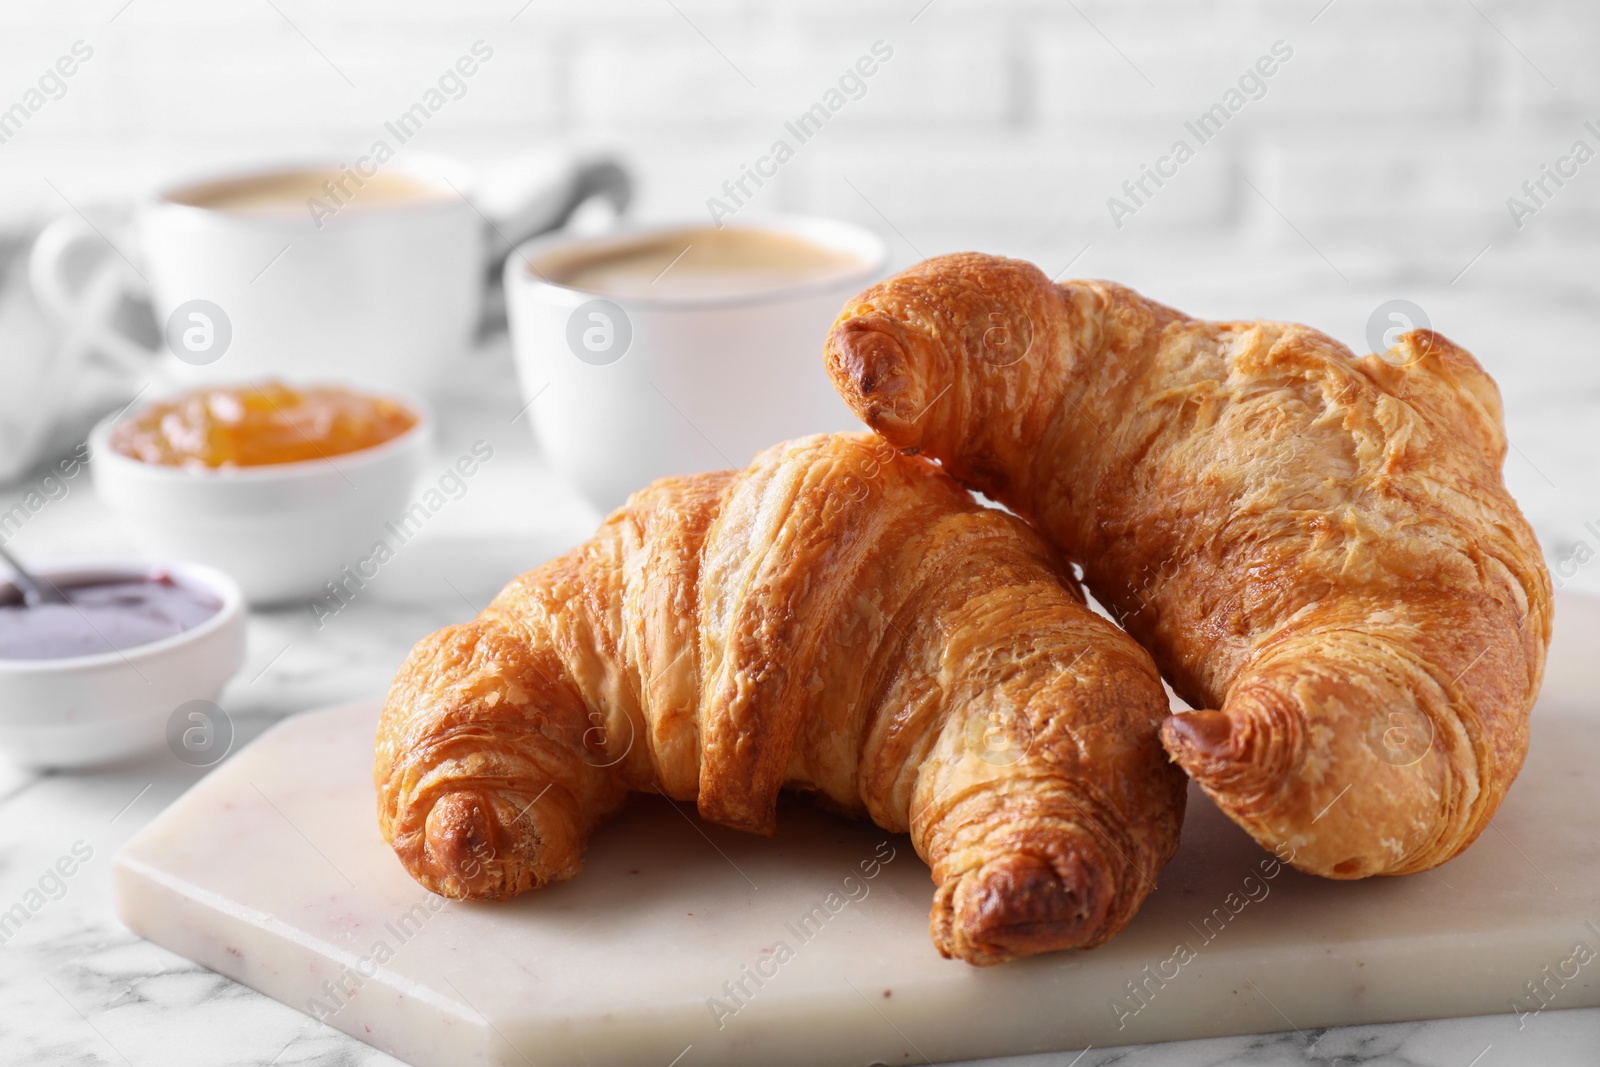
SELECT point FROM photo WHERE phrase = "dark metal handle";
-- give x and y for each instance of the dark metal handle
(605, 178)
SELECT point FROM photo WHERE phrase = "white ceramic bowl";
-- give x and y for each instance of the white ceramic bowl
(284, 530)
(84, 710)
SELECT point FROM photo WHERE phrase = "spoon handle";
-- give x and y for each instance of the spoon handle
(34, 590)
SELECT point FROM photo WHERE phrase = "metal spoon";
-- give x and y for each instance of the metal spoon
(35, 591)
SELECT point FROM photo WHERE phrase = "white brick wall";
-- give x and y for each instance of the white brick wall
(1395, 133)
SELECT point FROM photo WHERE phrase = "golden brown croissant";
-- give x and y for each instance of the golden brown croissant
(838, 619)
(1318, 545)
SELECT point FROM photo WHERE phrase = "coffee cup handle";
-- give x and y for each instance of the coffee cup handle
(83, 311)
(550, 208)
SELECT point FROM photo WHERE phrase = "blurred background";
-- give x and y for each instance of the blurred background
(1395, 152)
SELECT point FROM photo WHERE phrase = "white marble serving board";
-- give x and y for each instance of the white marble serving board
(271, 871)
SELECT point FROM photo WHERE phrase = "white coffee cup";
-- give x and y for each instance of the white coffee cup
(621, 390)
(385, 291)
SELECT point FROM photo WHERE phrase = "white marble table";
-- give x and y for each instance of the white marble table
(77, 988)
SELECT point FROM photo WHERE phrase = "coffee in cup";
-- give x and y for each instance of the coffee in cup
(289, 191)
(703, 262)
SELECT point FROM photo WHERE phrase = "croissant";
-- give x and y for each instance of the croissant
(1317, 549)
(838, 619)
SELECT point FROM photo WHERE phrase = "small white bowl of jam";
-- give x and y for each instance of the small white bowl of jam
(100, 677)
(284, 487)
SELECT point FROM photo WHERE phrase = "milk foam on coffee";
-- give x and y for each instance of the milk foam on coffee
(700, 262)
(285, 192)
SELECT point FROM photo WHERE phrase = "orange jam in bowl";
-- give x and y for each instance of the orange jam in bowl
(259, 424)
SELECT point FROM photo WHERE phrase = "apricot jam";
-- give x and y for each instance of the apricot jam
(259, 424)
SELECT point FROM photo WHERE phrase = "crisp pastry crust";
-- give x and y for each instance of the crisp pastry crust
(837, 619)
(1316, 547)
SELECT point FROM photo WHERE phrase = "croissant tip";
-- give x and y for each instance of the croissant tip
(868, 359)
(458, 834)
(1020, 905)
(1207, 734)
